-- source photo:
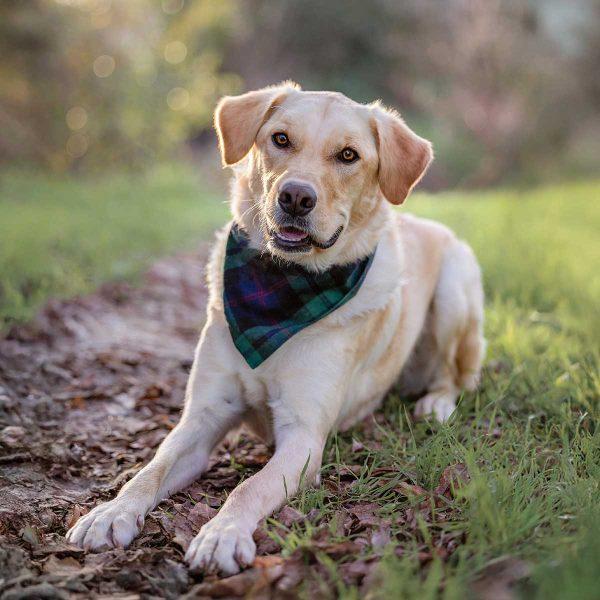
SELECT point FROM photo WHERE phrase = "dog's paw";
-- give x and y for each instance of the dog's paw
(223, 546)
(109, 525)
(439, 404)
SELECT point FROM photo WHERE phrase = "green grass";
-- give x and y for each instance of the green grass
(60, 237)
(535, 482)
(539, 249)
(529, 437)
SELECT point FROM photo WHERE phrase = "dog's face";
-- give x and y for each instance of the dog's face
(319, 165)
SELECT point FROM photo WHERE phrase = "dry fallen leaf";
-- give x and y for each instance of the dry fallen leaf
(365, 513)
(249, 582)
(337, 549)
(288, 516)
(381, 537)
(497, 581)
(12, 436)
(31, 535)
(61, 566)
(201, 513)
(353, 572)
(265, 544)
(453, 478)
(74, 514)
(267, 561)
(410, 490)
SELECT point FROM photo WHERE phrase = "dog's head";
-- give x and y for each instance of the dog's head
(317, 167)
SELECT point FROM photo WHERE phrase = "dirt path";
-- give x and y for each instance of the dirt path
(87, 392)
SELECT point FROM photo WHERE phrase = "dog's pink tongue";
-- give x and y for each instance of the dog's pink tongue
(292, 235)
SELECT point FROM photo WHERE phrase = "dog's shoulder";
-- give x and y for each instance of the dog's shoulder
(424, 231)
(425, 242)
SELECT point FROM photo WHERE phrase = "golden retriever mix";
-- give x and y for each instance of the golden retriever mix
(390, 298)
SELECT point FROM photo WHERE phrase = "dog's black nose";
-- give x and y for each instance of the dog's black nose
(297, 199)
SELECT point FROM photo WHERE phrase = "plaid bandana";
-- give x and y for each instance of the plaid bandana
(266, 303)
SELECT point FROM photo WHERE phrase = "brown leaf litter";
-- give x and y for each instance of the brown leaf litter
(87, 392)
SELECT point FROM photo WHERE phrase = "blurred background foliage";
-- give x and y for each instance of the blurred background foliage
(96, 84)
(507, 90)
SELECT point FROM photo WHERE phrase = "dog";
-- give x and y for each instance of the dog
(315, 178)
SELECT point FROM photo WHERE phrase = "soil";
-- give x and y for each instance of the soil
(87, 392)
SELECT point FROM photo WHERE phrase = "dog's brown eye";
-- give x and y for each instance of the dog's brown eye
(280, 139)
(348, 155)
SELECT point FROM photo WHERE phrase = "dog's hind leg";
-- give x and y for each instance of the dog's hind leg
(456, 330)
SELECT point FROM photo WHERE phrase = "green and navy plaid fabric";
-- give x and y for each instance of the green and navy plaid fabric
(266, 302)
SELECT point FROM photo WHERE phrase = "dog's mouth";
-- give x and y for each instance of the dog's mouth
(294, 239)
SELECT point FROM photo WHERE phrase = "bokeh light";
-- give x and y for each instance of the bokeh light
(104, 66)
(172, 7)
(77, 145)
(178, 98)
(175, 52)
(76, 118)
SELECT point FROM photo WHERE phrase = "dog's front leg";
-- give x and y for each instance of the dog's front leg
(213, 406)
(225, 543)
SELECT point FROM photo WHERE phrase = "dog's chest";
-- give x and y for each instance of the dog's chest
(255, 391)
(258, 417)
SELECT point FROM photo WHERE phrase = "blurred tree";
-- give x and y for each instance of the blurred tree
(326, 45)
(94, 83)
(482, 78)
(582, 151)
(488, 74)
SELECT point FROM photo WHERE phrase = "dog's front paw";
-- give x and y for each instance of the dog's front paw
(440, 405)
(109, 525)
(223, 545)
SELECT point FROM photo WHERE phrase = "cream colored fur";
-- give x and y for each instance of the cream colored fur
(417, 319)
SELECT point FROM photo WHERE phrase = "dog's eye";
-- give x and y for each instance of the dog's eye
(280, 139)
(348, 155)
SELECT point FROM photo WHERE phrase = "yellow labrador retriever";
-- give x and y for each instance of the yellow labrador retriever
(316, 176)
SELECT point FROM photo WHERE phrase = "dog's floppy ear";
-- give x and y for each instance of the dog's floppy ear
(403, 155)
(238, 119)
